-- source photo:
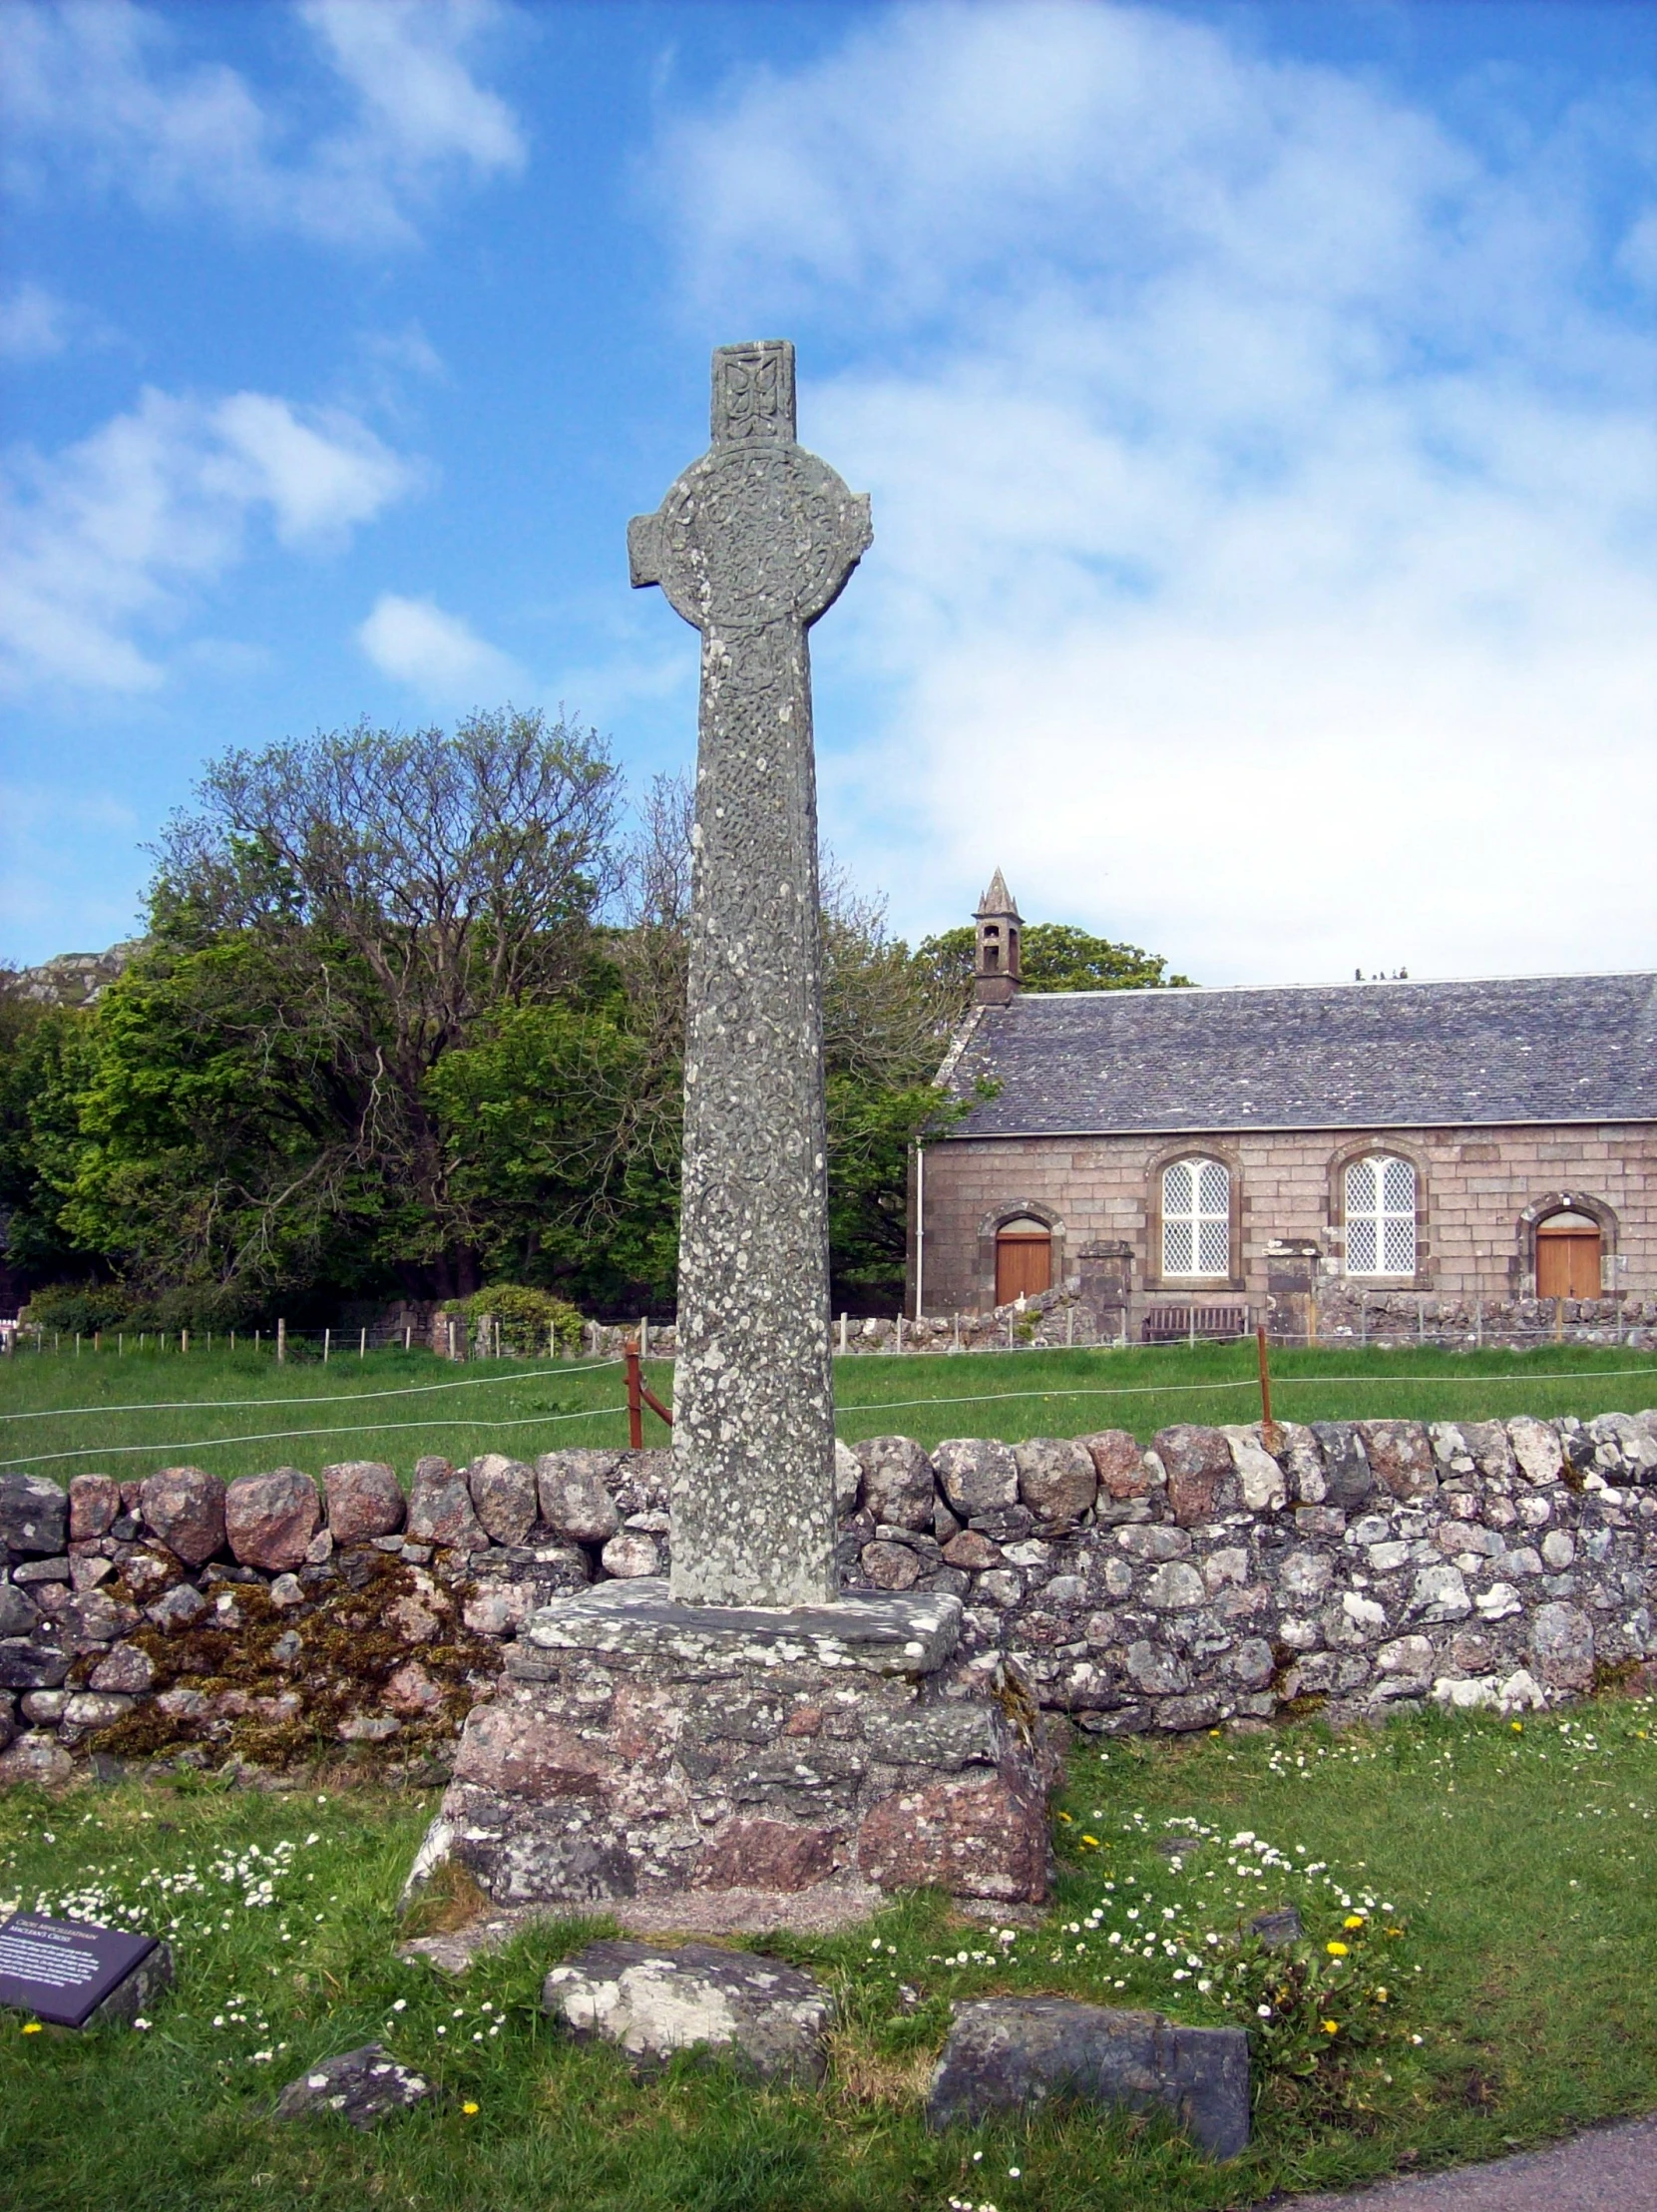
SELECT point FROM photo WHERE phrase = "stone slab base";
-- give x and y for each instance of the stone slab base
(703, 1767)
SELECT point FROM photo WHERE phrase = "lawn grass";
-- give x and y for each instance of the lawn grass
(396, 1404)
(1515, 1866)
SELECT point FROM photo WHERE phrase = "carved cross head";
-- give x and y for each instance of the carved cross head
(758, 531)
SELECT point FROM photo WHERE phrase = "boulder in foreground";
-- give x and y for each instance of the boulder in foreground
(1012, 2055)
(362, 2086)
(655, 1999)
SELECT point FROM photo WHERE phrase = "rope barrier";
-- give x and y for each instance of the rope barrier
(334, 1398)
(277, 1436)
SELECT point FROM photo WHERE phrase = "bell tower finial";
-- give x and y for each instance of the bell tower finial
(996, 968)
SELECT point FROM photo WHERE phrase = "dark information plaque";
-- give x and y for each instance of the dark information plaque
(63, 1969)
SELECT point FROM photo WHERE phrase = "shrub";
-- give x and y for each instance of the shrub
(78, 1309)
(524, 1317)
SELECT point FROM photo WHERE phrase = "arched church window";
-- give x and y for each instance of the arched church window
(1381, 1215)
(1196, 1218)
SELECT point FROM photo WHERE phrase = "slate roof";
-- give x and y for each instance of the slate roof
(1323, 1055)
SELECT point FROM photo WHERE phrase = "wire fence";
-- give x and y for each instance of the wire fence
(1261, 1385)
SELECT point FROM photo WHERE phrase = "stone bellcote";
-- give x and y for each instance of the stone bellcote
(997, 971)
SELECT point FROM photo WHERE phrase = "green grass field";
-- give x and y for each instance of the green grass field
(1500, 1879)
(239, 1413)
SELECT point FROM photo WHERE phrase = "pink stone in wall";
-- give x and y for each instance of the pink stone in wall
(982, 1838)
(270, 1519)
(365, 1499)
(184, 1506)
(1119, 1462)
(766, 1855)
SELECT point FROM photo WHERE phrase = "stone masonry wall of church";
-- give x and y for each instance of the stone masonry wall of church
(1476, 1184)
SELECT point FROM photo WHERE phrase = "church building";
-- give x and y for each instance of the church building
(1481, 1157)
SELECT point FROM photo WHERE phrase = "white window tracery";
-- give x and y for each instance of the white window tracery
(1381, 1215)
(1196, 1218)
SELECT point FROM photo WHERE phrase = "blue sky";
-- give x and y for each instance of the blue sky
(1257, 403)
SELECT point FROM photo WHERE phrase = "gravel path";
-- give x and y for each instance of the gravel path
(1609, 2169)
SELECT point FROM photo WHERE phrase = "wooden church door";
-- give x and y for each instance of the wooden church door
(1024, 1260)
(1568, 1257)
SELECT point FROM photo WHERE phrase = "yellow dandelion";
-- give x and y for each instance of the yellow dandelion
(1352, 1920)
(1068, 1820)
(1092, 1842)
(1336, 1950)
(469, 2109)
(1518, 1727)
(31, 2027)
(1332, 2027)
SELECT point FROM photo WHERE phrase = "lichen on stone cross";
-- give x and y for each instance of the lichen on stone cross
(751, 545)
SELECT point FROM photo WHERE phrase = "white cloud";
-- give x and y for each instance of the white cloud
(1264, 491)
(107, 540)
(415, 642)
(32, 323)
(102, 90)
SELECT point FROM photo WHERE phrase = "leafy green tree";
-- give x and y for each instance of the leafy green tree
(393, 893)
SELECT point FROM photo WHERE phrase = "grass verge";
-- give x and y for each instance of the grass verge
(1494, 1881)
(240, 1414)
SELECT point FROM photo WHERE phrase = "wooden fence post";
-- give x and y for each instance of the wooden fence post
(282, 1343)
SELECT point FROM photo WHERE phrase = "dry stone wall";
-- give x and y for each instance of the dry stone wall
(1221, 1576)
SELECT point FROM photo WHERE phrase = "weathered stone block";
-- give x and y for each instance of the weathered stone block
(654, 2000)
(757, 1854)
(269, 1520)
(973, 1837)
(1012, 2055)
(512, 1750)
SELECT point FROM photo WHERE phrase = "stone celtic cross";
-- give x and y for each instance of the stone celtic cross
(753, 543)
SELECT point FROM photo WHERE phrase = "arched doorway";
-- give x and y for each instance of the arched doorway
(1567, 1256)
(1023, 1259)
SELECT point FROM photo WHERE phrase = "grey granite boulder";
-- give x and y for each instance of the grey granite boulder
(361, 2086)
(502, 1496)
(440, 1507)
(1057, 1479)
(34, 1514)
(655, 1999)
(574, 1495)
(1348, 1480)
(1011, 2055)
(18, 1611)
(898, 1484)
(978, 1473)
